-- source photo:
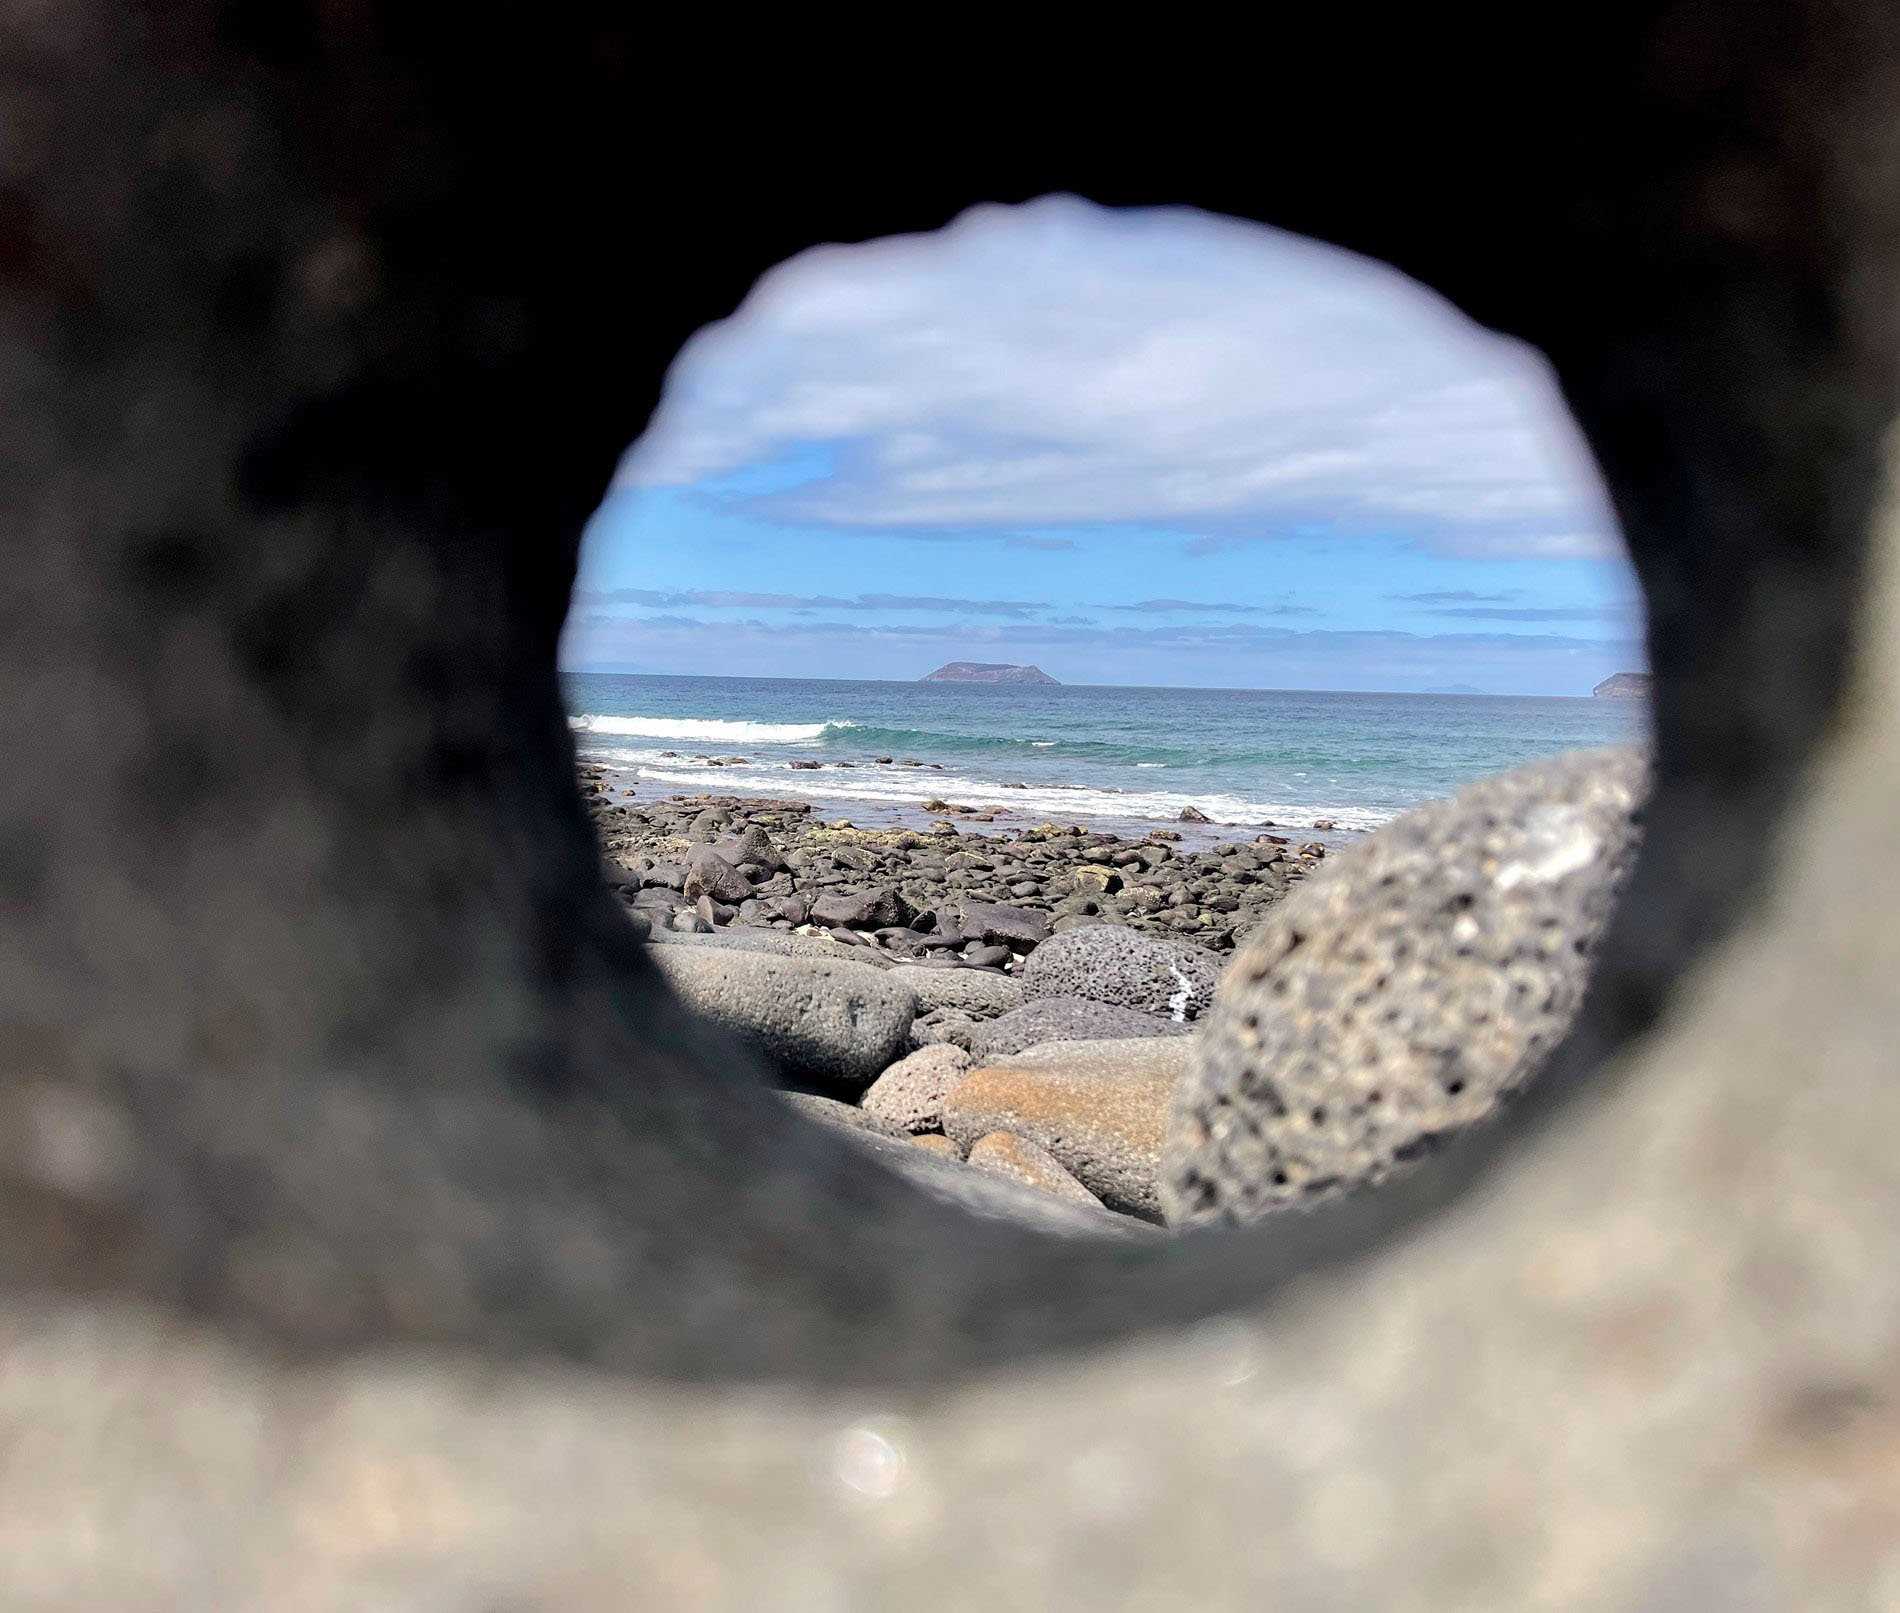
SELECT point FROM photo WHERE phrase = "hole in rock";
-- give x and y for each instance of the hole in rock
(995, 629)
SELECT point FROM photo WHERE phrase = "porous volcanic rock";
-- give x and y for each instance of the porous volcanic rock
(1114, 964)
(1406, 991)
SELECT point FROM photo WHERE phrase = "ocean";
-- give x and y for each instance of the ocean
(1120, 758)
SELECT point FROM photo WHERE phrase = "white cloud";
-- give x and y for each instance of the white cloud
(1060, 364)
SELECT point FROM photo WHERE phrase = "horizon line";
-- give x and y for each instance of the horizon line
(621, 670)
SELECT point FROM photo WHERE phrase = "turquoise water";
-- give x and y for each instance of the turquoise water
(1087, 754)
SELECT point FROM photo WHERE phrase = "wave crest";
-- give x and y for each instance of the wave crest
(721, 729)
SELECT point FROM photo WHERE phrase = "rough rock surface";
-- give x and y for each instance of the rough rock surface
(1405, 993)
(824, 1017)
(976, 992)
(861, 910)
(1114, 964)
(1006, 1154)
(1063, 1019)
(944, 1026)
(1100, 1107)
(1000, 924)
(909, 1095)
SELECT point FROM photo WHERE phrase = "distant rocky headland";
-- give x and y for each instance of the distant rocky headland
(1623, 686)
(986, 672)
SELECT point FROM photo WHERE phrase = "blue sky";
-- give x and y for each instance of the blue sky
(1148, 447)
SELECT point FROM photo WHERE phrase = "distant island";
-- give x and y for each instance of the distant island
(986, 672)
(1623, 686)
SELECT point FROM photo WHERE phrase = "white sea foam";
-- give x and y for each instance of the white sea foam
(910, 787)
(711, 729)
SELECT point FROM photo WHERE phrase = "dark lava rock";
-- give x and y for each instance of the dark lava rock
(1109, 963)
(750, 845)
(1064, 1019)
(1009, 926)
(709, 874)
(873, 909)
(987, 957)
(1413, 984)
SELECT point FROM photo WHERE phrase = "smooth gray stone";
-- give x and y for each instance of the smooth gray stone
(1113, 964)
(1405, 991)
(1064, 1019)
(825, 1017)
(973, 991)
(1002, 924)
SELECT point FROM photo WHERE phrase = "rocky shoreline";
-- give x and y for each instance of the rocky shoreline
(776, 864)
(1009, 1017)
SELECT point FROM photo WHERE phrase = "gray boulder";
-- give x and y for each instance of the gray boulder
(1114, 964)
(829, 1018)
(709, 874)
(975, 992)
(1410, 986)
(944, 1026)
(1064, 1019)
(671, 875)
(1100, 1108)
(910, 1093)
(1003, 925)
(706, 827)
(873, 909)
(751, 845)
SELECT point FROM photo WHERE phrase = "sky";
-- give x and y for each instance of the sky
(1145, 446)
